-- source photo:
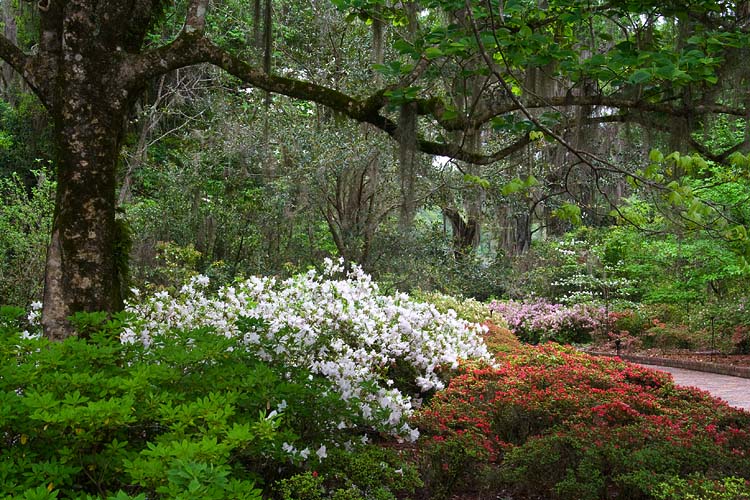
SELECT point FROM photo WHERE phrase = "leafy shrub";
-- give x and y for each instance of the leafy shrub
(466, 309)
(25, 226)
(499, 339)
(458, 464)
(303, 486)
(699, 487)
(630, 321)
(669, 336)
(172, 266)
(556, 423)
(540, 321)
(197, 417)
(741, 340)
(366, 473)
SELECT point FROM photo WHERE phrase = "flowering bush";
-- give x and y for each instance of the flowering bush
(467, 309)
(555, 423)
(541, 321)
(366, 343)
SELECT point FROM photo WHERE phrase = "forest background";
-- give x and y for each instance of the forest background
(568, 151)
(533, 170)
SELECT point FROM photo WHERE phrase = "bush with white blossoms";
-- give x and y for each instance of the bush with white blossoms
(343, 329)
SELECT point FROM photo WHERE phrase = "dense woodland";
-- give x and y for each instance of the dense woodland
(507, 158)
(472, 141)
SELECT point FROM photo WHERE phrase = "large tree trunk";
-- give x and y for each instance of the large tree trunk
(81, 270)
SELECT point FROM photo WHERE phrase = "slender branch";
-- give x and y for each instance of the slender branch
(437, 108)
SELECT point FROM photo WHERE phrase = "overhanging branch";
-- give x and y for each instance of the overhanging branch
(12, 55)
(23, 65)
(189, 49)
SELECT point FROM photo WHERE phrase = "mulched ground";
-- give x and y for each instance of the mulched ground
(704, 357)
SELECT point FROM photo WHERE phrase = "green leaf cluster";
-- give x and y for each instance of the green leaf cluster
(192, 417)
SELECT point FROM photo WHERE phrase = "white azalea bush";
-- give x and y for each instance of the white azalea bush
(343, 329)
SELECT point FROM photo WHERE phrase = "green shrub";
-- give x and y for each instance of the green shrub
(364, 473)
(25, 226)
(467, 309)
(303, 486)
(460, 463)
(195, 418)
(699, 487)
(670, 336)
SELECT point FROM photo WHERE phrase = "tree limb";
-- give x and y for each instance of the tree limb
(23, 65)
(13, 55)
(437, 108)
(189, 49)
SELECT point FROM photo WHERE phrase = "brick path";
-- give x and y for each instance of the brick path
(733, 390)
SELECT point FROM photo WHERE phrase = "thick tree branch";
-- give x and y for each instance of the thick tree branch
(12, 55)
(189, 49)
(23, 65)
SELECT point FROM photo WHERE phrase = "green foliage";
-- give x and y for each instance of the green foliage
(175, 265)
(304, 486)
(424, 260)
(25, 136)
(364, 473)
(469, 309)
(25, 226)
(192, 419)
(699, 487)
(574, 269)
(458, 464)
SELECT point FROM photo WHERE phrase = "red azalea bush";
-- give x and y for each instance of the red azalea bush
(554, 422)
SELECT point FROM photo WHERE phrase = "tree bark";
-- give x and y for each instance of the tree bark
(81, 269)
(88, 120)
(464, 233)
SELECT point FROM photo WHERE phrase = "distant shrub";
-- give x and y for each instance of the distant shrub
(741, 340)
(467, 309)
(540, 321)
(670, 336)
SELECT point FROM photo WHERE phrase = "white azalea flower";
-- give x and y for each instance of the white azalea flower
(339, 328)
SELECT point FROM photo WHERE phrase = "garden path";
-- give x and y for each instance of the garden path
(733, 390)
